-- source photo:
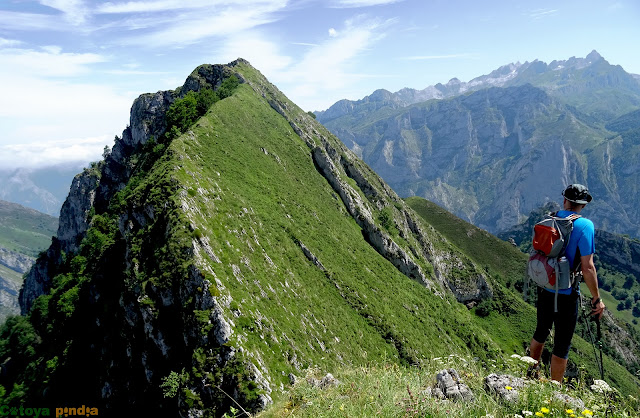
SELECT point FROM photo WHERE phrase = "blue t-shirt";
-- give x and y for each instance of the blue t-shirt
(583, 237)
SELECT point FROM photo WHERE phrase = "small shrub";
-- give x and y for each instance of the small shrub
(485, 308)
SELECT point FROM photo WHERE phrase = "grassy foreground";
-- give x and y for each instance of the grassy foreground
(390, 390)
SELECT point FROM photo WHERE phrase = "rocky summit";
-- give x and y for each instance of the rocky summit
(226, 241)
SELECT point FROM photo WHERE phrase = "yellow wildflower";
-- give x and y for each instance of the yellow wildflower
(587, 412)
(569, 411)
(539, 414)
(544, 410)
(508, 388)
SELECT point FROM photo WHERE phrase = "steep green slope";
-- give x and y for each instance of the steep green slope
(493, 254)
(252, 246)
(23, 230)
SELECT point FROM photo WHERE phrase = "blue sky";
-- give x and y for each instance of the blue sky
(70, 69)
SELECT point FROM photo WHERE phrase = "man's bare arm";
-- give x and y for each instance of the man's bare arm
(591, 279)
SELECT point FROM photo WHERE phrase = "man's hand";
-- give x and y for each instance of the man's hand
(597, 308)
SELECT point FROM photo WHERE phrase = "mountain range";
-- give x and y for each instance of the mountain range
(495, 148)
(228, 244)
(576, 81)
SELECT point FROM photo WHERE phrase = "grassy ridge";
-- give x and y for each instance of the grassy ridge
(25, 230)
(258, 193)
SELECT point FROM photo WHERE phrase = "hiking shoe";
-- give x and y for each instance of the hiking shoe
(533, 372)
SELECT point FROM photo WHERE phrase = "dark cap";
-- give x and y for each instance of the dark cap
(577, 193)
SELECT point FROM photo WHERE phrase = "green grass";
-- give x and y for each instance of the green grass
(497, 256)
(25, 230)
(389, 390)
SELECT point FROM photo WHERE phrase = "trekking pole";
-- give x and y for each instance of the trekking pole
(593, 343)
(599, 344)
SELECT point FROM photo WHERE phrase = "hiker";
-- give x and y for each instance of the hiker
(579, 252)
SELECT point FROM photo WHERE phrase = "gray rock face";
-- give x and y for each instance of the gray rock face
(327, 381)
(38, 281)
(569, 402)
(504, 386)
(9, 289)
(71, 229)
(449, 386)
(15, 261)
(8, 298)
(75, 210)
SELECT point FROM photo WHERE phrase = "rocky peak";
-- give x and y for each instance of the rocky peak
(91, 190)
(594, 56)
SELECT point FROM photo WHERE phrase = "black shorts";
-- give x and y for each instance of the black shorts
(564, 320)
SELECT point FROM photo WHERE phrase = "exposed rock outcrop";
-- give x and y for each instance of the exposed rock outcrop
(504, 386)
(15, 261)
(449, 386)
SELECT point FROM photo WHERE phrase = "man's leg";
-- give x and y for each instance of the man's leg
(535, 352)
(558, 367)
(535, 349)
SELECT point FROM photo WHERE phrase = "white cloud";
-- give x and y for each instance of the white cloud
(75, 11)
(30, 21)
(541, 13)
(326, 70)
(8, 43)
(43, 101)
(54, 109)
(152, 6)
(192, 26)
(50, 61)
(333, 33)
(255, 48)
(50, 153)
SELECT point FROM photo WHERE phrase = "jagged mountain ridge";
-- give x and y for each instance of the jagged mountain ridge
(574, 81)
(253, 245)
